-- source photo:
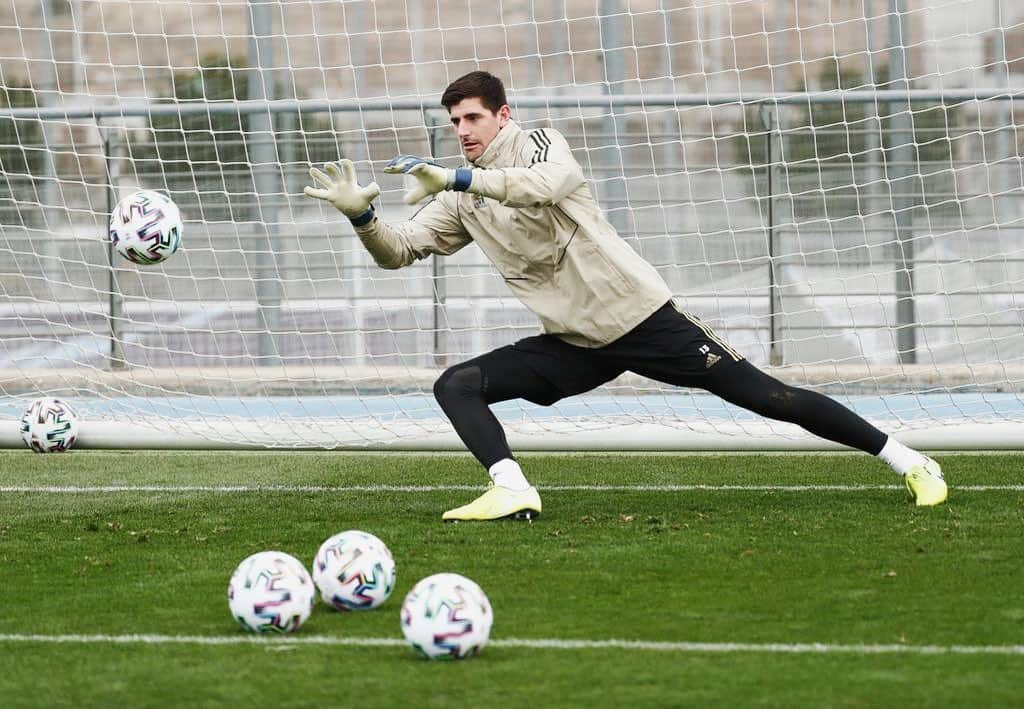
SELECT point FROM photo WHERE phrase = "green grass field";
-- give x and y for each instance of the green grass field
(910, 607)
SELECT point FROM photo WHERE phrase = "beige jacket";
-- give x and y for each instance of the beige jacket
(529, 209)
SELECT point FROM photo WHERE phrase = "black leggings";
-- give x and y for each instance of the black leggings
(466, 390)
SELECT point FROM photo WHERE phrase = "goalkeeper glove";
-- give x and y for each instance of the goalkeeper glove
(431, 178)
(340, 187)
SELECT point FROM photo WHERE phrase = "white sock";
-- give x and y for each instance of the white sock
(507, 473)
(899, 457)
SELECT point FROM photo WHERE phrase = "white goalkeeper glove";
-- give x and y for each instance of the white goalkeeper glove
(340, 187)
(431, 178)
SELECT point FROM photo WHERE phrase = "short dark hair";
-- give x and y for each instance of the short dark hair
(476, 84)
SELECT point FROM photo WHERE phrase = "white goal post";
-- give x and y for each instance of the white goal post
(838, 192)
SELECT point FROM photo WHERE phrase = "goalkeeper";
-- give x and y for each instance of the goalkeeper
(525, 202)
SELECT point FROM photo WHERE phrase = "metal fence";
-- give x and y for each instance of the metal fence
(801, 233)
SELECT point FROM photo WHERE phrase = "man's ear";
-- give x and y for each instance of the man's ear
(504, 115)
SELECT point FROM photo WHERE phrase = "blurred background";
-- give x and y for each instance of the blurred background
(835, 185)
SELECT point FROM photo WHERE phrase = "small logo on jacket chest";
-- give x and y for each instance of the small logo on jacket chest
(478, 201)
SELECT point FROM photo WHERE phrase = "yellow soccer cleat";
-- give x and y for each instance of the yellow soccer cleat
(926, 484)
(498, 503)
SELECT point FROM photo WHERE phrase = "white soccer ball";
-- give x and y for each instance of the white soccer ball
(447, 617)
(49, 425)
(354, 571)
(146, 227)
(271, 592)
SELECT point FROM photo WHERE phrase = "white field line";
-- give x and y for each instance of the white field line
(98, 489)
(532, 643)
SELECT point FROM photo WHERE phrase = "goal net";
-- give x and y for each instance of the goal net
(834, 186)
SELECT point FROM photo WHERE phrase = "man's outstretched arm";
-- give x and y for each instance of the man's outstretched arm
(553, 175)
(434, 230)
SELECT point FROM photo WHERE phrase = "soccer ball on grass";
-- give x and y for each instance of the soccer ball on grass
(354, 571)
(271, 592)
(49, 425)
(145, 227)
(446, 617)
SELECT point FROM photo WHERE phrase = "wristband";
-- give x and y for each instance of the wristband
(364, 218)
(463, 177)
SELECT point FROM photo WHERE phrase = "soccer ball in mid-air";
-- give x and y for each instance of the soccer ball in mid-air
(446, 617)
(271, 592)
(354, 571)
(145, 227)
(49, 425)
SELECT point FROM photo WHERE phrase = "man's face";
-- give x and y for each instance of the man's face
(476, 126)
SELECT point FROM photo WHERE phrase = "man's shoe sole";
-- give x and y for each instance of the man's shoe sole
(521, 515)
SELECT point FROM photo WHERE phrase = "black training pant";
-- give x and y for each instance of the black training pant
(670, 346)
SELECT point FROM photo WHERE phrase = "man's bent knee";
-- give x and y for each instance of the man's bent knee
(459, 382)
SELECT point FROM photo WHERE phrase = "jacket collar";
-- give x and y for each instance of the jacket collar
(500, 147)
